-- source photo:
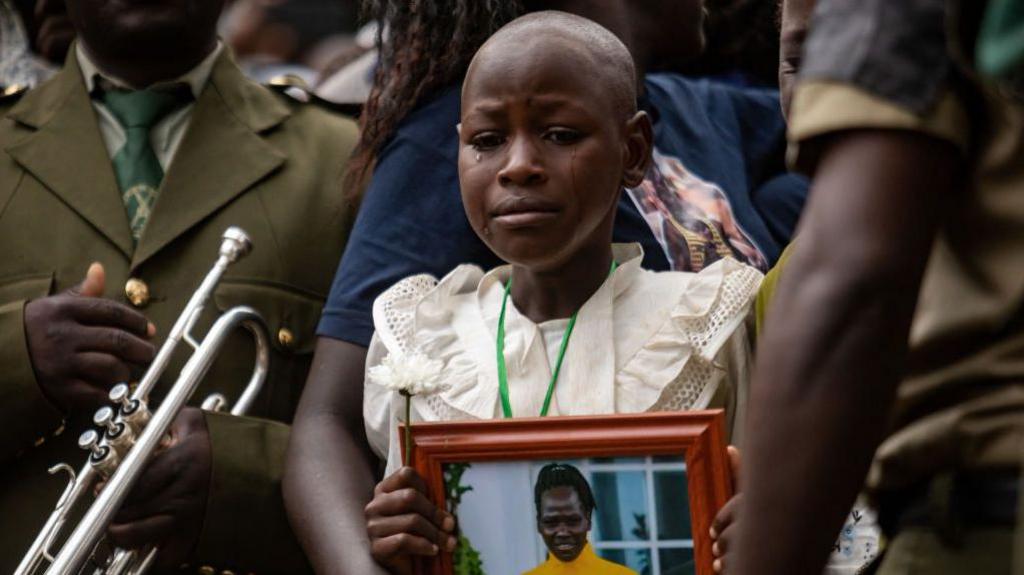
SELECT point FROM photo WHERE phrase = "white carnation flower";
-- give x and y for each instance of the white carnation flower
(410, 374)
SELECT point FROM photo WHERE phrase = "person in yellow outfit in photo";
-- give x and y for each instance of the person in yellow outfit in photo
(565, 505)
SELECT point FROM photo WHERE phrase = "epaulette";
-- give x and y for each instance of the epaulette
(12, 93)
(298, 90)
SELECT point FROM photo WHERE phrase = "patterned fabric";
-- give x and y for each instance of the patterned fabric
(692, 218)
(857, 544)
(905, 63)
(137, 168)
(18, 66)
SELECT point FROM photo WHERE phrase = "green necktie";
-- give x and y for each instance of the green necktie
(135, 164)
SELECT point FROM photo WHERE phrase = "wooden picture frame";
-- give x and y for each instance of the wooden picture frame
(698, 436)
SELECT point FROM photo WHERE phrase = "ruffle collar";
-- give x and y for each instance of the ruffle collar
(633, 337)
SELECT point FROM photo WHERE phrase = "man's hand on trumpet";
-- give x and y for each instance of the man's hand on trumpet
(81, 344)
(167, 505)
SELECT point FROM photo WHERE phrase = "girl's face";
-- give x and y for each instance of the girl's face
(544, 154)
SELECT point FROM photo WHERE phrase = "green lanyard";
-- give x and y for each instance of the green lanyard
(506, 405)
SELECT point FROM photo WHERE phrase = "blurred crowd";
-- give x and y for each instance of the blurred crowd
(327, 46)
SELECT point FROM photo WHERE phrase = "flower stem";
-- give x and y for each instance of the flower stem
(408, 429)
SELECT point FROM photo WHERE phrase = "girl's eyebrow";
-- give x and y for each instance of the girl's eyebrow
(493, 107)
(486, 108)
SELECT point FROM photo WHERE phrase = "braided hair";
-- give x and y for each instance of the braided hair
(425, 46)
(555, 475)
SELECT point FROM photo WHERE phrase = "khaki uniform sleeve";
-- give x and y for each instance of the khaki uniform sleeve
(29, 418)
(245, 508)
(822, 108)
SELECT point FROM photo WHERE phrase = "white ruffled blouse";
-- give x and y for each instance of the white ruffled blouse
(645, 341)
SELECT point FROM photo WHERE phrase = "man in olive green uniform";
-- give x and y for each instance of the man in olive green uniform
(145, 183)
(894, 347)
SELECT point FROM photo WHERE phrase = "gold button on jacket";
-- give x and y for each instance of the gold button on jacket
(285, 337)
(250, 158)
(137, 292)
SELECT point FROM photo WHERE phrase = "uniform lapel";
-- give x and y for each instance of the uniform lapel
(222, 156)
(67, 155)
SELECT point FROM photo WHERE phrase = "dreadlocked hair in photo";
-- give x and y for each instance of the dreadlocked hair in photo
(425, 46)
(554, 475)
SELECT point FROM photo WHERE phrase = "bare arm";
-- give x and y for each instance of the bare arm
(331, 472)
(835, 342)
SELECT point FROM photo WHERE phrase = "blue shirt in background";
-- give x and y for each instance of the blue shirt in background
(412, 220)
(718, 185)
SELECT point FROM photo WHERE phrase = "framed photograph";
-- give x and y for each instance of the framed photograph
(618, 494)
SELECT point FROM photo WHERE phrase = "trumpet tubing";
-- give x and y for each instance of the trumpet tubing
(128, 433)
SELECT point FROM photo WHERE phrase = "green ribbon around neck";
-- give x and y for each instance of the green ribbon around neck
(506, 404)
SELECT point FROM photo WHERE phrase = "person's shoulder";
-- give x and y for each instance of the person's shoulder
(422, 302)
(432, 122)
(426, 289)
(311, 113)
(723, 289)
(897, 51)
(298, 93)
(678, 321)
(10, 129)
(11, 95)
(676, 92)
(308, 132)
(423, 150)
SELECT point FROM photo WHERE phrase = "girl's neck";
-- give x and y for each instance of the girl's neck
(559, 293)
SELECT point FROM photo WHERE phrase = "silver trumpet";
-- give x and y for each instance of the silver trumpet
(128, 433)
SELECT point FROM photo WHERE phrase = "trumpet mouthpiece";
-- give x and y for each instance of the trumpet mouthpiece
(236, 244)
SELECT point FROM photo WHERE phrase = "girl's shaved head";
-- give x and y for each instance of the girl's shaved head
(537, 34)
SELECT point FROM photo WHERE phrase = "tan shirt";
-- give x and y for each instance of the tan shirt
(167, 134)
(961, 404)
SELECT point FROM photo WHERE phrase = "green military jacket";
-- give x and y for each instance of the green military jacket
(251, 158)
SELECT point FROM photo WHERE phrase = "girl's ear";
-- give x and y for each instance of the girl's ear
(639, 144)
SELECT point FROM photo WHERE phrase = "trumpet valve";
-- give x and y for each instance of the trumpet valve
(120, 395)
(136, 415)
(117, 434)
(101, 457)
